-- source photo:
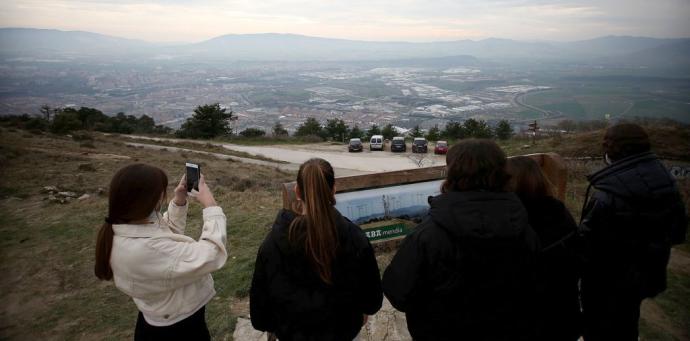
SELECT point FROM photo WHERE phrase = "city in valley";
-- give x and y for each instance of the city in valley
(418, 87)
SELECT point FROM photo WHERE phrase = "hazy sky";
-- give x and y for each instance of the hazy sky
(409, 20)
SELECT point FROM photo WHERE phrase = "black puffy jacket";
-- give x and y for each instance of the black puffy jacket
(289, 299)
(629, 225)
(467, 272)
(558, 302)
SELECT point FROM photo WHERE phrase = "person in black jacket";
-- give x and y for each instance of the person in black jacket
(467, 271)
(316, 277)
(629, 224)
(558, 301)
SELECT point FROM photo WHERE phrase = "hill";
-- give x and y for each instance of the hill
(26, 42)
(48, 288)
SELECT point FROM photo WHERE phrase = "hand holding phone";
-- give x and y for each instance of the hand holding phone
(193, 176)
(204, 196)
(181, 192)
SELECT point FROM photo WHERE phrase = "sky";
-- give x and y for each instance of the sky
(374, 20)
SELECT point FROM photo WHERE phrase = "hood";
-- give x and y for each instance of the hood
(637, 176)
(479, 214)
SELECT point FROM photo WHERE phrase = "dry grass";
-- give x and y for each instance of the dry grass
(48, 290)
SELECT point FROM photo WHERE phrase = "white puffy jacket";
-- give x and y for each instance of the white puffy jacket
(168, 274)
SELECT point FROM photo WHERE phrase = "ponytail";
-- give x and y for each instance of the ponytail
(317, 227)
(104, 246)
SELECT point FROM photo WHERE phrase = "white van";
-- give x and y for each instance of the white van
(376, 142)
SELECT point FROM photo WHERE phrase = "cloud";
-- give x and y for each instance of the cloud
(414, 20)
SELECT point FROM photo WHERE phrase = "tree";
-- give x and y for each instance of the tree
(453, 131)
(477, 129)
(503, 130)
(389, 132)
(252, 132)
(373, 130)
(65, 121)
(279, 130)
(310, 127)
(145, 124)
(356, 133)
(416, 132)
(336, 129)
(434, 133)
(208, 121)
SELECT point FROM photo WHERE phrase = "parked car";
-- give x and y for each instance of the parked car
(376, 142)
(441, 147)
(419, 145)
(355, 145)
(398, 144)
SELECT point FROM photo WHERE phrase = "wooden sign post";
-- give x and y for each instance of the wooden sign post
(384, 232)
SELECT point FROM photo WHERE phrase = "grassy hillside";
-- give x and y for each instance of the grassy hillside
(48, 290)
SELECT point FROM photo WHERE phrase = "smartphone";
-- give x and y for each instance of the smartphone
(193, 175)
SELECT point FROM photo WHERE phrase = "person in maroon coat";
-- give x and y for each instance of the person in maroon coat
(558, 307)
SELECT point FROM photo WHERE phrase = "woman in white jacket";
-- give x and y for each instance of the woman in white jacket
(147, 255)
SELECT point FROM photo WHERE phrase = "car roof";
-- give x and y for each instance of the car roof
(419, 139)
(377, 136)
(398, 138)
(442, 142)
(355, 139)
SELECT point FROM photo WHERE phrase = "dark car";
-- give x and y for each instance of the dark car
(355, 145)
(419, 145)
(441, 147)
(398, 144)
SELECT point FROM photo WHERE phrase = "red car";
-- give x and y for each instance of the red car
(441, 147)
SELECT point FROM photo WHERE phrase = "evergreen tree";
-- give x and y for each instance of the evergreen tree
(416, 132)
(373, 130)
(389, 132)
(310, 127)
(279, 130)
(336, 129)
(503, 130)
(355, 132)
(477, 129)
(434, 133)
(453, 131)
(208, 121)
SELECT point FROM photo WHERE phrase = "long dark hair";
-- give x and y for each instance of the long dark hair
(527, 179)
(475, 164)
(315, 229)
(135, 191)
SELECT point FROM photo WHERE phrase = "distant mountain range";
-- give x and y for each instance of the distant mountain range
(55, 44)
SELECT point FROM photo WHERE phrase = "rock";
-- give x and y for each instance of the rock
(49, 189)
(84, 197)
(245, 332)
(52, 198)
(67, 194)
(101, 191)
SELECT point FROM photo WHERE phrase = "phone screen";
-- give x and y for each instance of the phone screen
(193, 174)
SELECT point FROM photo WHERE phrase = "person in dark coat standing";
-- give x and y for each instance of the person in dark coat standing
(558, 301)
(467, 271)
(316, 277)
(629, 224)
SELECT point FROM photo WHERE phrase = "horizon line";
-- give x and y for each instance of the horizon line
(337, 38)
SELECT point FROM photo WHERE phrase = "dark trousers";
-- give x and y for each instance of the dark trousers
(191, 328)
(611, 315)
